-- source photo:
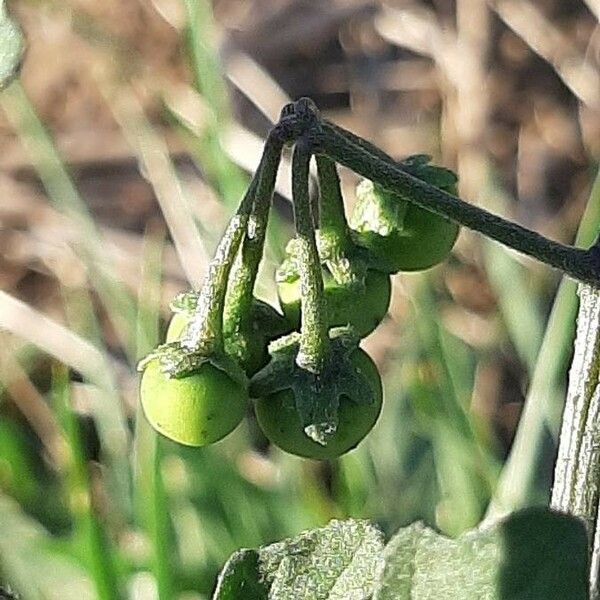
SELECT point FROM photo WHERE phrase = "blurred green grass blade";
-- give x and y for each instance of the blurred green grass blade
(64, 195)
(517, 300)
(149, 293)
(517, 303)
(88, 529)
(219, 485)
(465, 466)
(589, 228)
(352, 481)
(108, 412)
(227, 179)
(522, 481)
(156, 165)
(80, 314)
(510, 280)
(399, 447)
(29, 564)
(93, 364)
(207, 68)
(151, 505)
(224, 176)
(431, 337)
(17, 470)
(216, 510)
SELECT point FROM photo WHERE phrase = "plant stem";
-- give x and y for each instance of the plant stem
(358, 141)
(576, 476)
(243, 277)
(314, 341)
(206, 327)
(361, 157)
(334, 243)
(331, 202)
(334, 233)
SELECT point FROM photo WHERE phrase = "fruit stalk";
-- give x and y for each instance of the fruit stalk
(205, 329)
(331, 203)
(314, 341)
(243, 277)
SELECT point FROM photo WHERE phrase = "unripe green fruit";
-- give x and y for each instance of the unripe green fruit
(196, 410)
(363, 309)
(400, 235)
(278, 418)
(249, 348)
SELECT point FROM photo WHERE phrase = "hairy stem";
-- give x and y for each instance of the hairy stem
(335, 244)
(331, 202)
(314, 342)
(366, 160)
(243, 277)
(206, 326)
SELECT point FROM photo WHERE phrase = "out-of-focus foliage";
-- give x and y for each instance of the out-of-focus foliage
(126, 141)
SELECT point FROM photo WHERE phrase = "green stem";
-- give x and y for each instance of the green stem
(331, 205)
(243, 277)
(334, 233)
(364, 159)
(314, 341)
(206, 327)
(358, 141)
(335, 243)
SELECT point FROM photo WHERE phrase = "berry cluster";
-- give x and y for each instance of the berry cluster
(315, 392)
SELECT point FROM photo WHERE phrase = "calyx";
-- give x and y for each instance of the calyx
(348, 266)
(176, 361)
(316, 395)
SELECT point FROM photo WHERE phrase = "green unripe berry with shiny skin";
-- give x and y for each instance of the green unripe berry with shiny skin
(278, 418)
(363, 309)
(196, 410)
(400, 235)
(249, 348)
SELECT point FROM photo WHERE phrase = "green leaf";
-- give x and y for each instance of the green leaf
(535, 554)
(341, 561)
(241, 577)
(11, 47)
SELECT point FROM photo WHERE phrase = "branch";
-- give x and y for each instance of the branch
(368, 161)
